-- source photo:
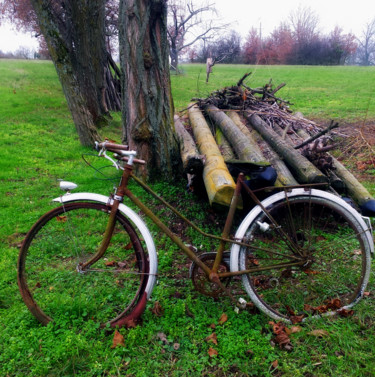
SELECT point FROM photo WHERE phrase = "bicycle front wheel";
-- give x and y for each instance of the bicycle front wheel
(309, 256)
(49, 276)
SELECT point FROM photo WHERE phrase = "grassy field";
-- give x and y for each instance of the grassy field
(39, 145)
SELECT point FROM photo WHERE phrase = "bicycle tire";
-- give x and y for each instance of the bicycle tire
(324, 233)
(110, 291)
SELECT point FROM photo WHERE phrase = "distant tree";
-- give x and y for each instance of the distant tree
(366, 45)
(188, 24)
(281, 44)
(147, 101)
(252, 49)
(341, 46)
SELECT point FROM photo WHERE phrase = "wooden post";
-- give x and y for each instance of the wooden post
(217, 179)
(304, 170)
(284, 176)
(191, 159)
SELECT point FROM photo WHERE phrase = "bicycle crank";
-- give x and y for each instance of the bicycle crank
(201, 282)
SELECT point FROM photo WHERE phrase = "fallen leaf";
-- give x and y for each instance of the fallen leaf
(319, 333)
(157, 309)
(275, 364)
(118, 340)
(297, 318)
(366, 294)
(212, 338)
(293, 330)
(223, 319)
(162, 337)
(176, 346)
(212, 326)
(128, 246)
(61, 219)
(111, 263)
(345, 312)
(212, 352)
(310, 272)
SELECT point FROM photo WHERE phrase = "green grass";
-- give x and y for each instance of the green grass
(39, 145)
(343, 93)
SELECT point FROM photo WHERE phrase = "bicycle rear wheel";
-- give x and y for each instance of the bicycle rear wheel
(309, 256)
(51, 282)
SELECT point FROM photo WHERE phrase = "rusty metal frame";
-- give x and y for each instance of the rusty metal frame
(212, 273)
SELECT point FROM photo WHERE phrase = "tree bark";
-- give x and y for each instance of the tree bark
(224, 146)
(304, 170)
(217, 179)
(192, 161)
(63, 49)
(244, 148)
(147, 104)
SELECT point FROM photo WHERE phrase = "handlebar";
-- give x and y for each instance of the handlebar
(120, 152)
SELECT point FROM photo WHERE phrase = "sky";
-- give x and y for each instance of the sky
(350, 15)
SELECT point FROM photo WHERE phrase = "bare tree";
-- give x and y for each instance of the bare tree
(366, 48)
(147, 101)
(187, 24)
(304, 22)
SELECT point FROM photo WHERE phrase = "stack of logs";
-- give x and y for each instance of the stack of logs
(255, 128)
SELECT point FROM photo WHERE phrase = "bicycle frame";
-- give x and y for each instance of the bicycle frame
(212, 273)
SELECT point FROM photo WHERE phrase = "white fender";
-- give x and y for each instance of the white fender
(235, 249)
(135, 219)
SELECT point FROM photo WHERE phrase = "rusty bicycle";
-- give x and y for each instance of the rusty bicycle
(300, 253)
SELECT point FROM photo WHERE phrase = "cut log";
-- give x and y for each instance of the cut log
(354, 188)
(191, 159)
(244, 148)
(303, 169)
(224, 146)
(284, 176)
(217, 179)
(256, 153)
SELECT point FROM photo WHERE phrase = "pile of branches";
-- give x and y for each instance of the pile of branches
(258, 126)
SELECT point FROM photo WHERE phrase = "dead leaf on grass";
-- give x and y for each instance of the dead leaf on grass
(118, 340)
(223, 319)
(293, 330)
(275, 364)
(212, 352)
(318, 333)
(212, 338)
(157, 309)
(162, 337)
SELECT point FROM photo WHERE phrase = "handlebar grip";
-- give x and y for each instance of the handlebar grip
(109, 146)
(135, 160)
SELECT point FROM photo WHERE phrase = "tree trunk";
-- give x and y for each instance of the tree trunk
(304, 170)
(60, 46)
(174, 56)
(147, 104)
(217, 179)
